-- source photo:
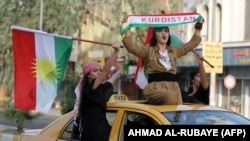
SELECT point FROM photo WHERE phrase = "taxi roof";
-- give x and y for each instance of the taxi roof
(141, 104)
(122, 101)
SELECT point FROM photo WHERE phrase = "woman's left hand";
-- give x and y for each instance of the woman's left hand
(199, 58)
(116, 47)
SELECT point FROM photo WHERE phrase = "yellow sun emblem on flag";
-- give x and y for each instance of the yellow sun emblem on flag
(45, 69)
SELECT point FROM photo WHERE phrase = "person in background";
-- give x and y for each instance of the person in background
(199, 87)
(92, 104)
(160, 61)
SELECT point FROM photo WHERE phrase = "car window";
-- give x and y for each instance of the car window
(72, 132)
(111, 116)
(67, 133)
(205, 117)
(139, 119)
(135, 118)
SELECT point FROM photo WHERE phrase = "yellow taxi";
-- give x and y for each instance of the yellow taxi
(121, 111)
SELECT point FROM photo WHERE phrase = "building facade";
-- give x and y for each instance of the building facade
(225, 22)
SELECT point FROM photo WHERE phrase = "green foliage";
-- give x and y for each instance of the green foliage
(61, 17)
(19, 116)
(69, 99)
(64, 17)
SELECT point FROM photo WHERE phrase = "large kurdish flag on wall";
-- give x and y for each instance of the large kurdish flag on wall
(40, 60)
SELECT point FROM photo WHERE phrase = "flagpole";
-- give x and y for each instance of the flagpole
(171, 32)
(41, 15)
(203, 59)
(108, 44)
(95, 42)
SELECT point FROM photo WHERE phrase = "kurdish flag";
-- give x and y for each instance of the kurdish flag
(40, 60)
(140, 77)
(159, 20)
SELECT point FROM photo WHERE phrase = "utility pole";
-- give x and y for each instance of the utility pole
(213, 95)
(41, 15)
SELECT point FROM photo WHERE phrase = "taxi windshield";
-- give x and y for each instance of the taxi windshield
(205, 117)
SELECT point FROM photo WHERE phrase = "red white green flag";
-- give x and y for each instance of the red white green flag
(159, 20)
(40, 60)
(140, 77)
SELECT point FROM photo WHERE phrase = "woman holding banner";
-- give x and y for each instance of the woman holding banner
(160, 61)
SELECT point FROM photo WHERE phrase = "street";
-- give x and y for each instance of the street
(38, 123)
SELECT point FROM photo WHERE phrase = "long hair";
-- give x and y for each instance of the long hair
(85, 82)
(191, 78)
(153, 40)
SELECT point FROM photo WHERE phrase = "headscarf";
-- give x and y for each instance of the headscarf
(87, 67)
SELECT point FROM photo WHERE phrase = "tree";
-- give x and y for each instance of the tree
(18, 116)
(65, 17)
(61, 17)
(70, 96)
(109, 13)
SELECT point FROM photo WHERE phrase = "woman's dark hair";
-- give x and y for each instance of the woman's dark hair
(153, 40)
(193, 73)
(191, 77)
(85, 81)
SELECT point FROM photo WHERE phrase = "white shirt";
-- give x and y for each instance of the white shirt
(165, 60)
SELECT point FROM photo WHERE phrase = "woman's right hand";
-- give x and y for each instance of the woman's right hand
(124, 20)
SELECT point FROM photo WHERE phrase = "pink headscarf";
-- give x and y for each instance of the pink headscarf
(87, 67)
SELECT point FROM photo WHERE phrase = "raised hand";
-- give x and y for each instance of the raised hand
(116, 46)
(199, 25)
